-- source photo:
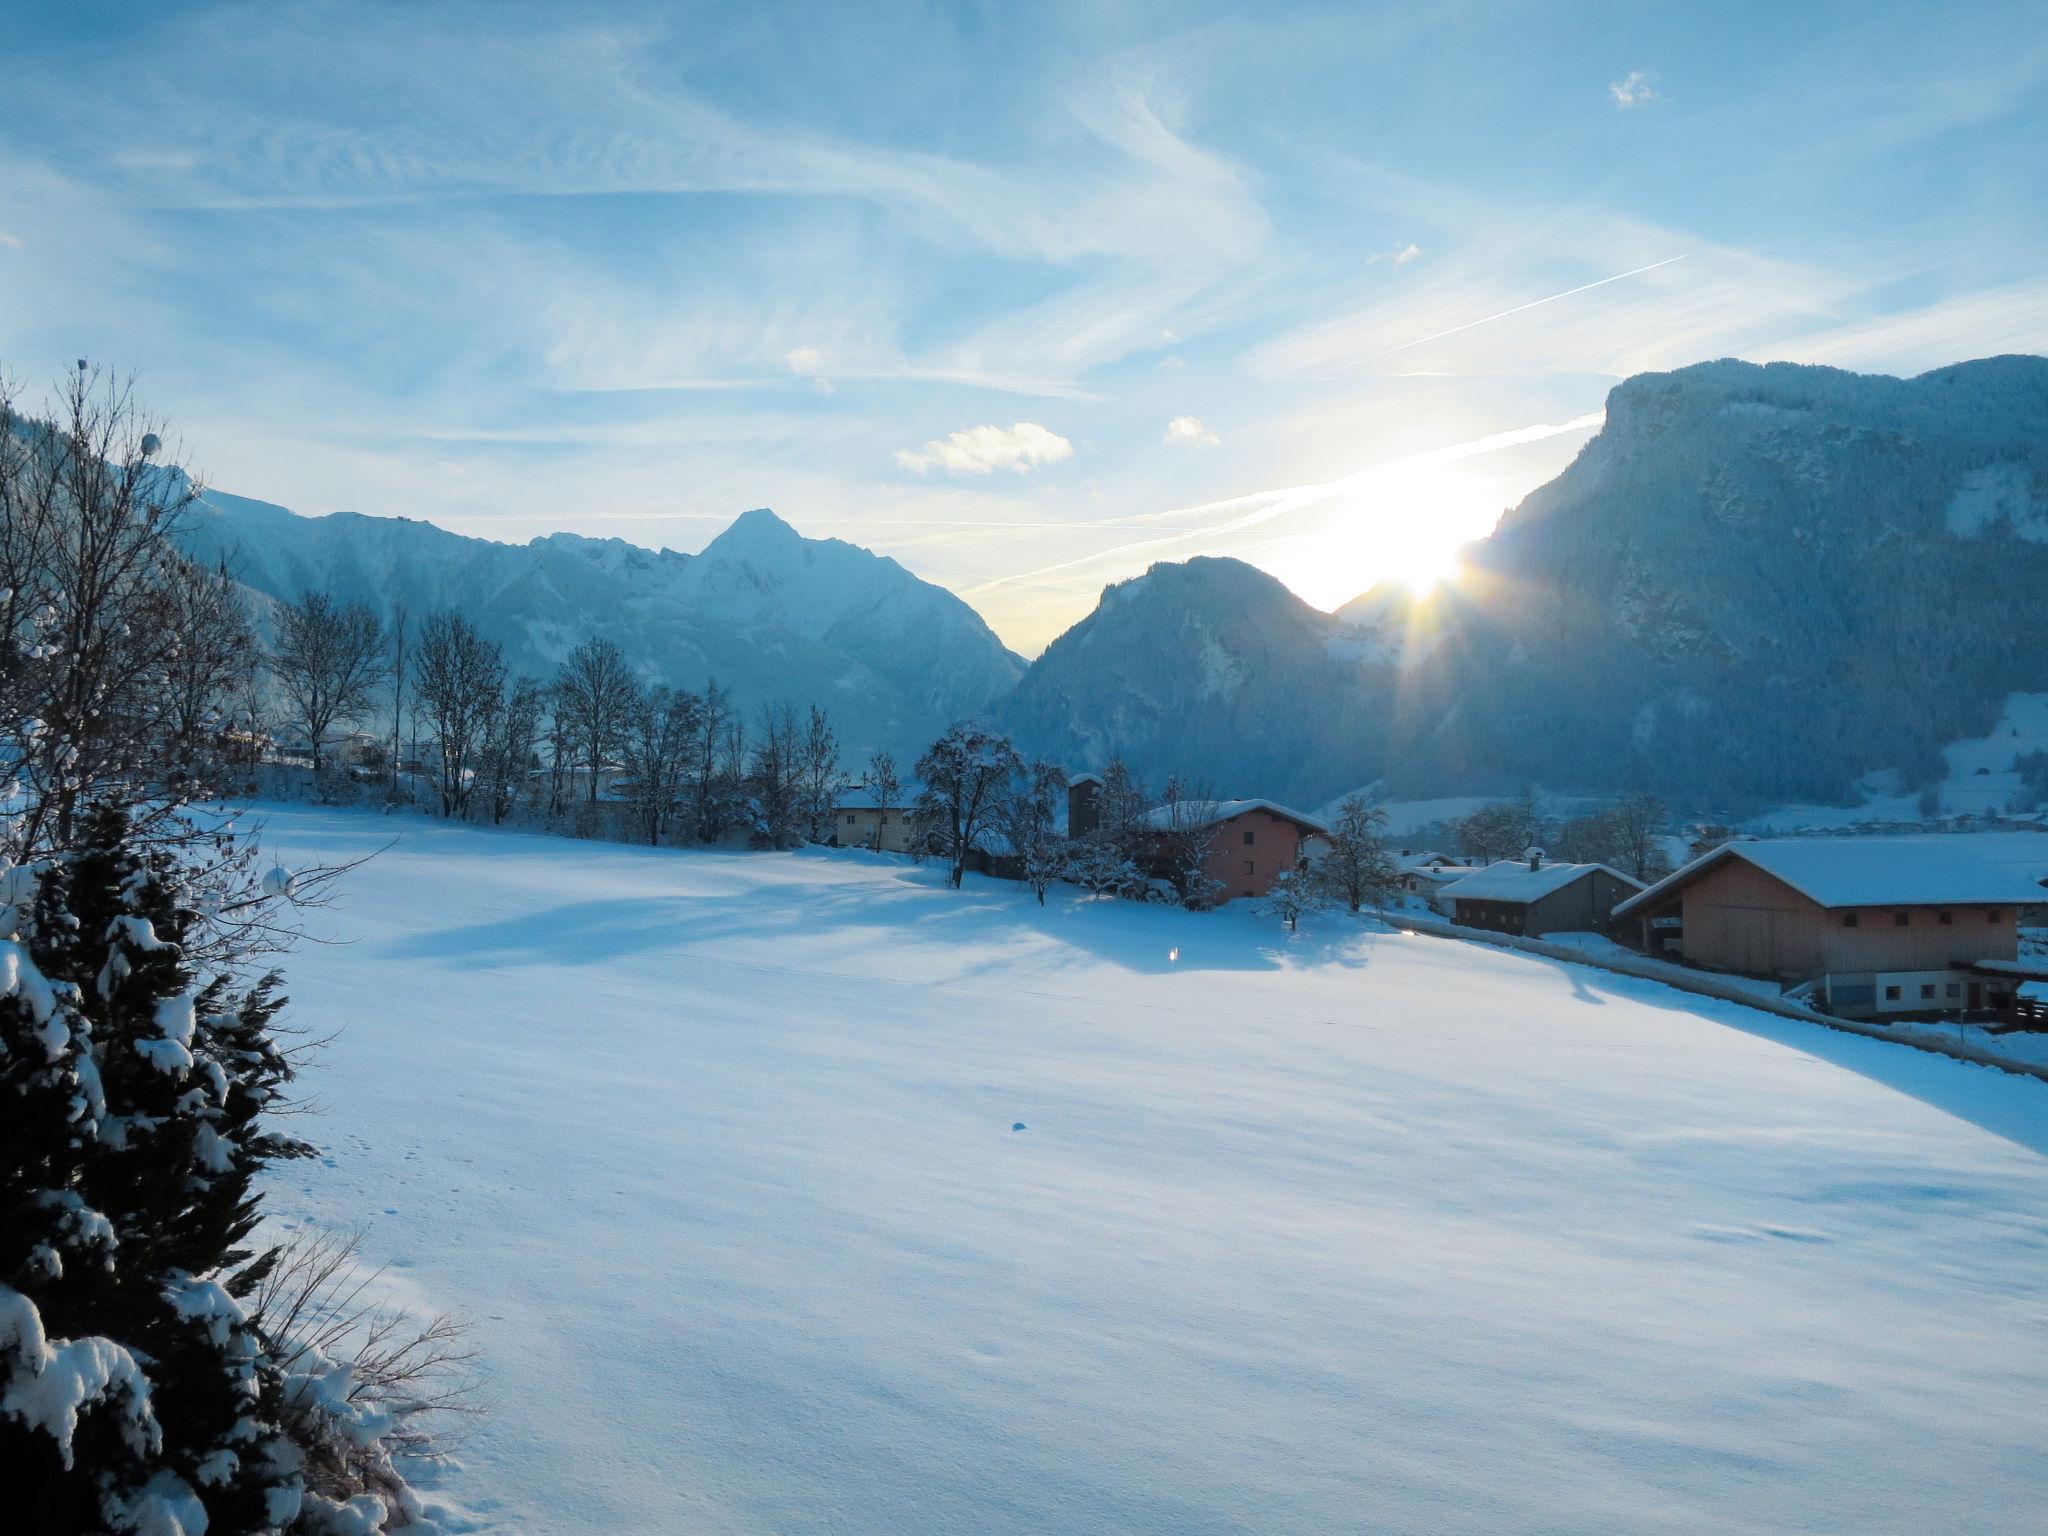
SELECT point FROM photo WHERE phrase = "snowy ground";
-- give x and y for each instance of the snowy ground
(1358, 1232)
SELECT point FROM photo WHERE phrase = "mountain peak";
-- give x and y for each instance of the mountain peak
(755, 535)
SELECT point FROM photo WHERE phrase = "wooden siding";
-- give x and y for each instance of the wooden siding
(1584, 906)
(1738, 918)
(1924, 942)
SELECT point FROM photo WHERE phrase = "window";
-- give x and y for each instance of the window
(1891, 994)
(1250, 868)
(1247, 837)
(1991, 914)
(1901, 919)
(849, 818)
(1955, 989)
(1947, 919)
(1927, 989)
(1851, 919)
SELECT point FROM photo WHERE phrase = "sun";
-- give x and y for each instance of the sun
(1406, 524)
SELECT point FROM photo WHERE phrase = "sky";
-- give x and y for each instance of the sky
(1026, 297)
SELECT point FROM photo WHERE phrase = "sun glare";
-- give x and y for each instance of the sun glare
(1406, 525)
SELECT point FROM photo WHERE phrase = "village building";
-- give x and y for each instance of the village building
(1532, 895)
(1869, 926)
(855, 824)
(1425, 875)
(1252, 841)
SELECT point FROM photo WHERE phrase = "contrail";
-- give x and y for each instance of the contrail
(1532, 304)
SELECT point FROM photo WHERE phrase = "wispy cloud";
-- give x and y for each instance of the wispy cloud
(1400, 255)
(982, 450)
(1632, 90)
(1188, 431)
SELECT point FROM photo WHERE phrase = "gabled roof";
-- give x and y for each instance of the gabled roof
(1514, 880)
(1957, 869)
(1083, 778)
(1210, 813)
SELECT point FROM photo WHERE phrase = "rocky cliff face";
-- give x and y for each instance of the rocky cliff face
(1755, 583)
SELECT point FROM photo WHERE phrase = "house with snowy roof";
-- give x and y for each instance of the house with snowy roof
(1872, 925)
(1534, 894)
(1251, 841)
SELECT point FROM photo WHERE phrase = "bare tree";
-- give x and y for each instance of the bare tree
(510, 738)
(212, 650)
(775, 778)
(964, 774)
(818, 775)
(400, 621)
(713, 718)
(1358, 870)
(1186, 835)
(459, 683)
(884, 784)
(329, 661)
(594, 695)
(1640, 824)
(1030, 822)
(91, 587)
(660, 736)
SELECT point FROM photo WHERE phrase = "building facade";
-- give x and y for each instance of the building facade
(1872, 926)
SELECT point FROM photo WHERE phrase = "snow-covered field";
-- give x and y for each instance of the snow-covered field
(1354, 1232)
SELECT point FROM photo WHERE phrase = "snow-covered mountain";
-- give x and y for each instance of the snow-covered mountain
(1209, 669)
(1755, 584)
(771, 615)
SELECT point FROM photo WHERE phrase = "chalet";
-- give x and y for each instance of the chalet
(1872, 925)
(1532, 895)
(856, 824)
(1252, 842)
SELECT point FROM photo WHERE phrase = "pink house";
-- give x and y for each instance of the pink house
(1254, 841)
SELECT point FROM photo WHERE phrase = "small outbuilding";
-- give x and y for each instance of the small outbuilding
(1533, 895)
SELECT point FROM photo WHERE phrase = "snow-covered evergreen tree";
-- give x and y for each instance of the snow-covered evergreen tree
(135, 1388)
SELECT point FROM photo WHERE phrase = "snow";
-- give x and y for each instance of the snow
(1349, 1229)
(1958, 869)
(60, 1378)
(1209, 813)
(1514, 880)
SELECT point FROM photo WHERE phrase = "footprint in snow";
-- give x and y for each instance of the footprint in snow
(1018, 1126)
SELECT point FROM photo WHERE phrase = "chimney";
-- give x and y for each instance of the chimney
(1535, 858)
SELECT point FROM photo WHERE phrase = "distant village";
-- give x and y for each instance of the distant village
(1906, 920)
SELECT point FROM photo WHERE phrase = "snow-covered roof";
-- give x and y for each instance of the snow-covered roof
(1955, 869)
(1444, 872)
(1514, 880)
(1083, 778)
(1209, 813)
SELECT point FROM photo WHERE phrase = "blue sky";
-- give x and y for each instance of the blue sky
(1026, 297)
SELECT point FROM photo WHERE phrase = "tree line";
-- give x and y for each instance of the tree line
(684, 765)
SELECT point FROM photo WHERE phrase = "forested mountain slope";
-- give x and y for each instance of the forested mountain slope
(1755, 583)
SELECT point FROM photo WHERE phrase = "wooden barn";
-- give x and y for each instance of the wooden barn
(1533, 895)
(1875, 925)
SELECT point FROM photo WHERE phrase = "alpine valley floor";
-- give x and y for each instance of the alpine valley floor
(799, 1193)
